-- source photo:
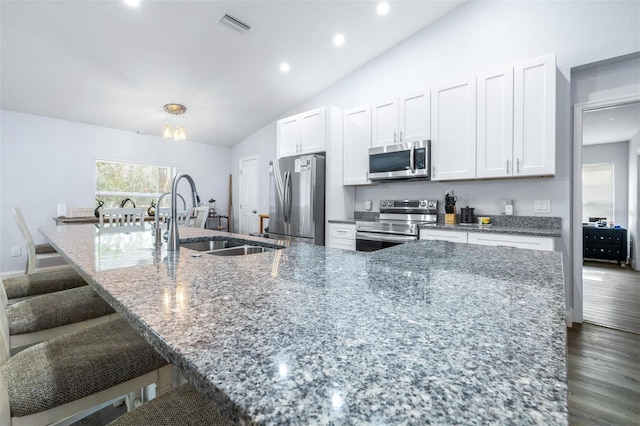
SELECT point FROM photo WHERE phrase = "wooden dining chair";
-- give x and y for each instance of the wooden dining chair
(81, 211)
(201, 217)
(35, 252)
(59, 378)
(122, 217)
(165, 213)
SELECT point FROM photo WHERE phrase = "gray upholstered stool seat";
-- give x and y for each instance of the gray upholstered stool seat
(55, 310)
(38, 283)
(183, 406)
(44, 249)
(76, 365)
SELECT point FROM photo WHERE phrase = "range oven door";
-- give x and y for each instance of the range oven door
(372, 241)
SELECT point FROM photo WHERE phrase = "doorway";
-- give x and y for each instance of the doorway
(248, 194)
(605, 293)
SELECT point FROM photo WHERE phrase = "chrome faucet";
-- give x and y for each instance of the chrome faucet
(173, 243)
(156, 227)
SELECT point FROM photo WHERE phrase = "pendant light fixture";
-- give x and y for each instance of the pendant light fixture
(177, 134)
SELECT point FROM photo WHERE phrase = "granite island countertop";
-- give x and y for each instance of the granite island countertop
(427, 331)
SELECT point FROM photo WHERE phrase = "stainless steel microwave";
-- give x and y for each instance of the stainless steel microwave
(411, 160)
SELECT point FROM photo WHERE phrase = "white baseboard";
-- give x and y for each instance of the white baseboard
(568, 317)
(9, 274)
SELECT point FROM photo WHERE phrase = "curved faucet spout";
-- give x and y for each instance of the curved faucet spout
(173, 243)
(156, 220)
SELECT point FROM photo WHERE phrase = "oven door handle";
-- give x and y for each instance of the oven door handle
(373, 236)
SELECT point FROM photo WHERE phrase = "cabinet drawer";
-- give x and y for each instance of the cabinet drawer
(517, 241)
(342, 231)
(342, 243)
(452, 236)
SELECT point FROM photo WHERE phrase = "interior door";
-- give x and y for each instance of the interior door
(248, 191)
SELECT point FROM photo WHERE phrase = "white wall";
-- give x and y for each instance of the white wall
(618, 154)
(45, 161)
(634, 200)
(480, 36)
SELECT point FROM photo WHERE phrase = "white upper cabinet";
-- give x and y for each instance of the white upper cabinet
(302, 133)
(356, 144)
(415, 116)
(495, 124)
(399, 120)
(534, 120)
(453, 131)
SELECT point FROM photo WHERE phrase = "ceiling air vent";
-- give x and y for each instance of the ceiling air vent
(232, 22)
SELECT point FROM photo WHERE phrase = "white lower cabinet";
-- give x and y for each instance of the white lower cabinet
(508, 240)
(490, 239)
(439, 235)
(342, 235)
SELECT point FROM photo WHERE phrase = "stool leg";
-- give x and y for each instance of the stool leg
(165, 379)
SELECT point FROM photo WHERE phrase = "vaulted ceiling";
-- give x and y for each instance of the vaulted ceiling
(108, 64)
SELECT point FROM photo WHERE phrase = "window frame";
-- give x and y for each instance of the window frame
(611, 217)
(125, 194)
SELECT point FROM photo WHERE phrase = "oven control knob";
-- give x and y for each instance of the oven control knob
(383, 203)
(423, 203)
(432, 204)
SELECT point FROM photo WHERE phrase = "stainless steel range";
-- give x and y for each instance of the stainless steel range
(398, 224)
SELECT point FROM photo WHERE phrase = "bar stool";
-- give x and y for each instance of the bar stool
(61, 377)
(41, 318)
(38, 283)
(35, 252)
(183, 406)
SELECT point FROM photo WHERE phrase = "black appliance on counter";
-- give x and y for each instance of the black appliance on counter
(466, 215)
(399, 223)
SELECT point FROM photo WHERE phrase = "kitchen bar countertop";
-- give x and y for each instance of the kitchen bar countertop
(427, 331)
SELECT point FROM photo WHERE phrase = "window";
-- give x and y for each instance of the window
(142, 183)
(597, 191)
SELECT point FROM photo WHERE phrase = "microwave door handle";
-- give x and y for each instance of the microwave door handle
(412, 165)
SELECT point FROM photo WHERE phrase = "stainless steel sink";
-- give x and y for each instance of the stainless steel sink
(210, 245)
(241, 251)
(225, 247)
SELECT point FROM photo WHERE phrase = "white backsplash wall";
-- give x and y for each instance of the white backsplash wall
(45, 161)
(483, 195)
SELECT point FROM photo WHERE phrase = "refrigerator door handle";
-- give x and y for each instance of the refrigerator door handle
(288, 197)
(285, 216)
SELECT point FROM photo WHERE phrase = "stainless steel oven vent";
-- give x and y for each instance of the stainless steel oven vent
(233, 22)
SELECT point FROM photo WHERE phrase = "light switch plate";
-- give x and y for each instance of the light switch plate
(542, 206)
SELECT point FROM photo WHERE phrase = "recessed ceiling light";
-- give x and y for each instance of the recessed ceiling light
(132, 3)
(383, 8)
(284, 67)
(338, 40)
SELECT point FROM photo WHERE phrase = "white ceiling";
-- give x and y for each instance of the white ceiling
(105, 63)
(609, 125)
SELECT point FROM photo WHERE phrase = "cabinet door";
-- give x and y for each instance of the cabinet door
(453, 131)
(312, 130)
(495, 124)
(534, 121)
(288, 136)
(357, 141)
(342, 236)
(415, 117)
(438, 235)
(385, 123)
(506, 240)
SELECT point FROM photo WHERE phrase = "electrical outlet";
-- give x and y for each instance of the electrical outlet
(448, 192)
(542, 206)
(15, 251)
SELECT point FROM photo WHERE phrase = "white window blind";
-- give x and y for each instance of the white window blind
(597, 191)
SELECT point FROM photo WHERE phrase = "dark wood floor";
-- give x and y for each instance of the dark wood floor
(604, 351)
(611, 296)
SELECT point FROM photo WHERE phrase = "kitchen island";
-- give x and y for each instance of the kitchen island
(428, 331)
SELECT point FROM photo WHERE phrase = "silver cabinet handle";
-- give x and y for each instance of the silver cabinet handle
(395, 137)
(400, 135)
(433, 171)
(507, 166)
(517, 165)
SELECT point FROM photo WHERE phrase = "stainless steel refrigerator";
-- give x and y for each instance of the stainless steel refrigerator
(296, 210)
